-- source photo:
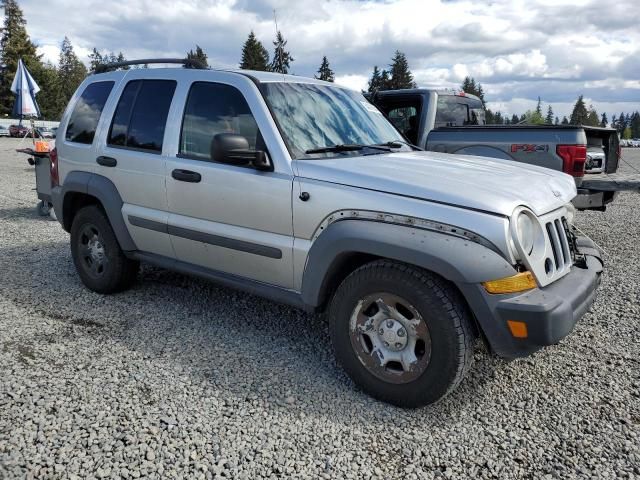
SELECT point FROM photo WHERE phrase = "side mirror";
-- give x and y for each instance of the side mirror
(234, 150)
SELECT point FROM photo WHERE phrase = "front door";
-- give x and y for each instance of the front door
(229, 218)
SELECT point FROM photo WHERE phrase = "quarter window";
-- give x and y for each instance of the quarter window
(141, 115)
(86, 113)
(214, 108)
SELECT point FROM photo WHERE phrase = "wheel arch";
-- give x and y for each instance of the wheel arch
(348, 244)
(84, 188)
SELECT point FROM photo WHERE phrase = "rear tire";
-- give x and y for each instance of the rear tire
(98, 258)
(402, 334)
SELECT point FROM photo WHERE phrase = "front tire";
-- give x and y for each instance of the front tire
(98, 258)
(402, 334)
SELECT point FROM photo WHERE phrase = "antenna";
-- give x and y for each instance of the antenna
(278, 48)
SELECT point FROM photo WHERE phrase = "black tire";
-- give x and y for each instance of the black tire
(108, 271)
(437, 302)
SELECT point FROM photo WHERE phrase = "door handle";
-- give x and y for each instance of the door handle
(106, 161)
(186, 175)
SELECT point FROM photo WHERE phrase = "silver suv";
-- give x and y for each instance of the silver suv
(303, 192)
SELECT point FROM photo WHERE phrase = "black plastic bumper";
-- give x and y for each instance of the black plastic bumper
(550, 313)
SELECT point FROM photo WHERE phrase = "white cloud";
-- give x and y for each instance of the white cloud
(556, 49)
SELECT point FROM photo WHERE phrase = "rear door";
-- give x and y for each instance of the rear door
(76, 147)
(131, 156)
(229, 218)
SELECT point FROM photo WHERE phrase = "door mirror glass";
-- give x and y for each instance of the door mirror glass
(234, 150)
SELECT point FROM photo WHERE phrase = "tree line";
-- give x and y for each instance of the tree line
(60, 80)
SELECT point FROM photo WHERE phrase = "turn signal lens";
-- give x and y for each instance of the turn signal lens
(517, 283)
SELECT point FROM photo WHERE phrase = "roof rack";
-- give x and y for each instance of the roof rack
(188, 62)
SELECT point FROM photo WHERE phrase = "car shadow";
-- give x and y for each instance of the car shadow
(244, 347)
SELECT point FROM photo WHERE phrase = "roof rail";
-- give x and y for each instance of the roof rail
(188, 62)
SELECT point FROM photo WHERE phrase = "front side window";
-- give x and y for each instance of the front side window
(456, 111)
(315, 116)
(86, 113)
(141, 115)
(214, 108)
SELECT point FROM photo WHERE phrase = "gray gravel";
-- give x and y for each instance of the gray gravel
(181, 378)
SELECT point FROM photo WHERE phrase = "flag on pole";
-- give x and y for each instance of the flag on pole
(25, 88)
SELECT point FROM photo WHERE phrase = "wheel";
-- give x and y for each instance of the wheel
(97, 255)
(402, 334)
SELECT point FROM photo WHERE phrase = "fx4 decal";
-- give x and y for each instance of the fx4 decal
(528, 148)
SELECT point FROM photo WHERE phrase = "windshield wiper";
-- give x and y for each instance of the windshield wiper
(348, 147)
(398, 144)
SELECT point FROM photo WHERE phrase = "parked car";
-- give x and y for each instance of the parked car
(54, 131)
(454, 122)
(45, 132)
(4, 131)
(301, 191)
(19, 131)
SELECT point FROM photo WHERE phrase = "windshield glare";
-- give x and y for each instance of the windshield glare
(314, 116)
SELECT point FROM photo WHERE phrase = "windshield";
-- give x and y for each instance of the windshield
(456, 111)
(316, 116)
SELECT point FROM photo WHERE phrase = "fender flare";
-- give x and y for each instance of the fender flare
(107, 194)
(456, 259)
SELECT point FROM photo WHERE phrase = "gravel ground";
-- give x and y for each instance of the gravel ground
(180, 378)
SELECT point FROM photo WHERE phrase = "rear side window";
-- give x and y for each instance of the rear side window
(141, 115)
(214, 108)
(86, 113)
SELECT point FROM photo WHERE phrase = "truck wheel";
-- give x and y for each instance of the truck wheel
(97, 255)
(402, 334)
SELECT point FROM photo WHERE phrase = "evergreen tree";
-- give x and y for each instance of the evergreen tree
(254, 55)
(71, 71)
(592, 118)
(375, 82)
(15, 44)
(385, 80)
(564, 121)
(549, 118)
(557, 122)
(603, 120)
(515, 119)
(400, 75)
(282, 59)
(634, 124)
(52, 103)
(469, 85)
(579, 115)
(199, 56)
(95, 59)
(539, 107)
(324, 72)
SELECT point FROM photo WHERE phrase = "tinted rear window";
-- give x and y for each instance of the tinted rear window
(456, 111)
(141, 116)
(86, 114)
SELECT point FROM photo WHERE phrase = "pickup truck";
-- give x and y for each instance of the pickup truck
(301, 191)
(454, 122)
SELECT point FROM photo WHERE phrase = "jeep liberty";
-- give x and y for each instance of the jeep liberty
(303, 192)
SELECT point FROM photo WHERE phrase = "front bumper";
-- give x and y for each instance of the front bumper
(550, 313)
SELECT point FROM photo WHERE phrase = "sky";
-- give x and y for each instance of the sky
(518, 50)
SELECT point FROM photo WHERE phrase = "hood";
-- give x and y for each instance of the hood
(481, 183)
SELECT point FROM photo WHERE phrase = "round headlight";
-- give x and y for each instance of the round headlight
(526, 232)
(571, 213)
